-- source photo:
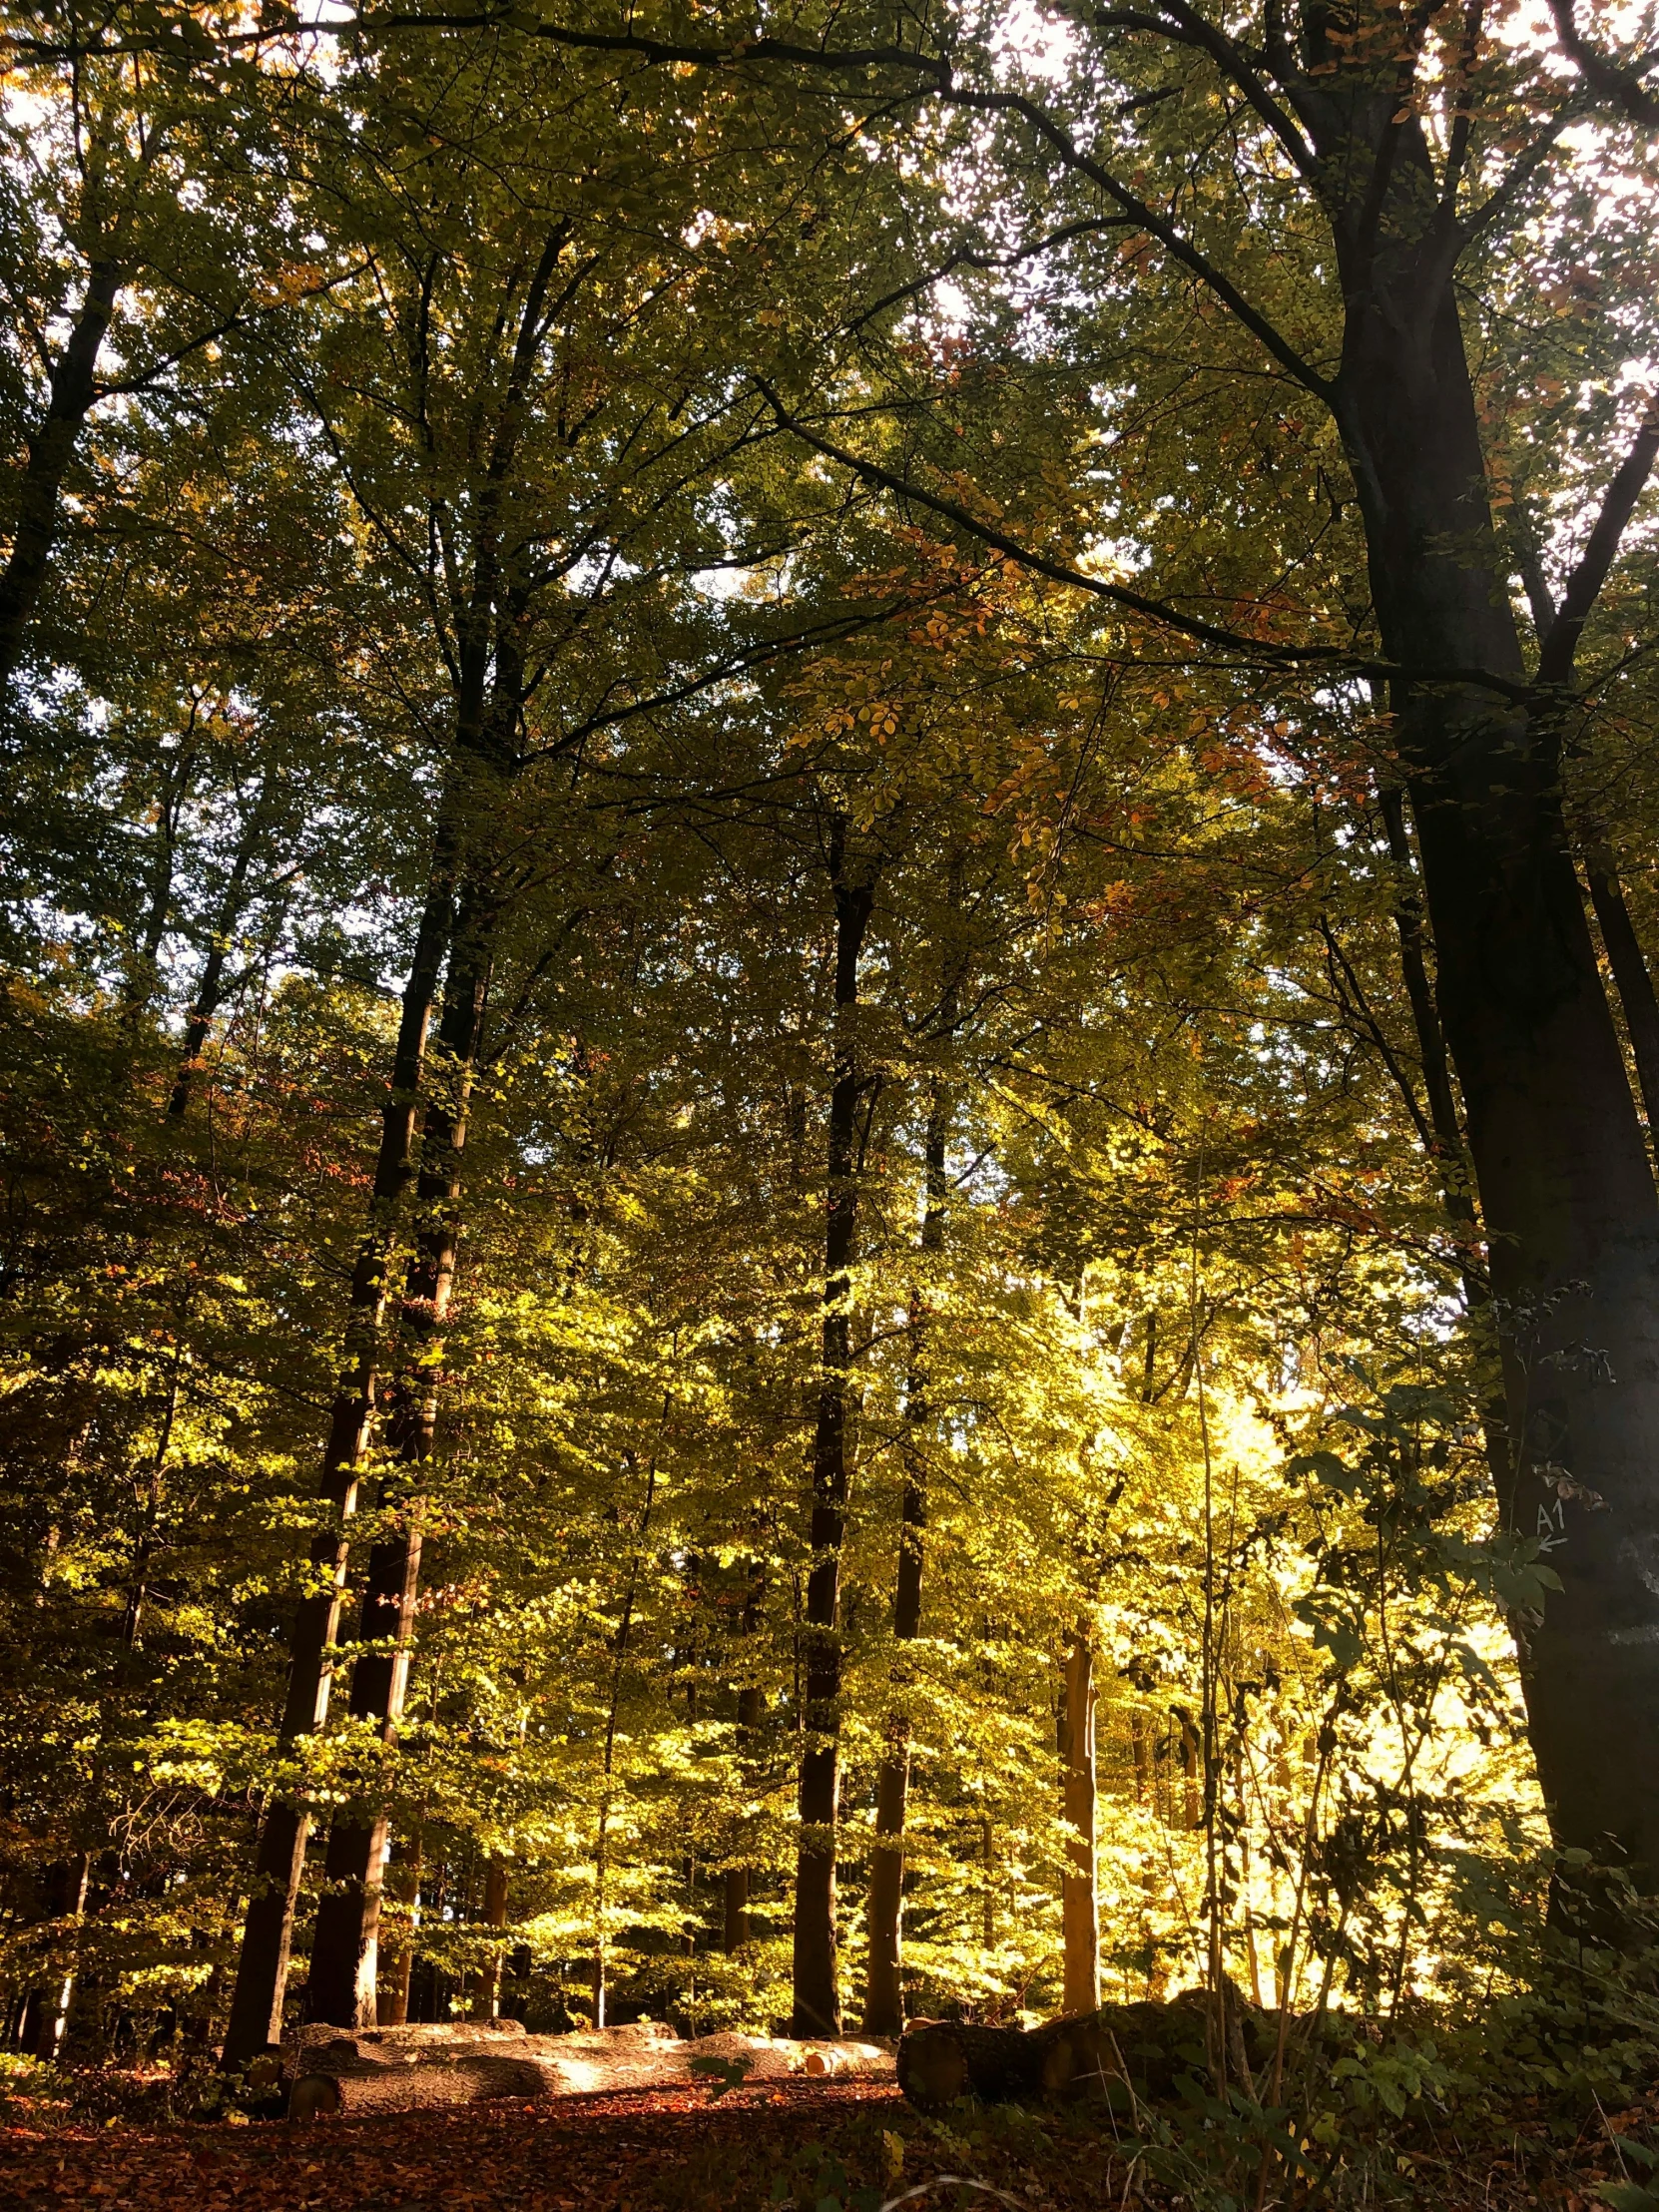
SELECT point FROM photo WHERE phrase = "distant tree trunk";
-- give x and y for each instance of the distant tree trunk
(211, 988)
(1450, 1155)
(345, 1950)
(261, 1974)
(600, 1964)
(884, 1996)
(391, 1992)
(1192, 1763)
(486, 2004)
(987, 1885)
(178, 772)
(739, 1881)
(817, 1989)
(46, 2013)
(72, 390)
(255, 2020)
(750, 1708)
(1140, 1746)
(1450, 1152)
(1078, 1911)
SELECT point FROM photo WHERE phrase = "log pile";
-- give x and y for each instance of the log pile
(338, 2071)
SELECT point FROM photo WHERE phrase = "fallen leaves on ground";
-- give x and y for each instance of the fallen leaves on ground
(846, 2145)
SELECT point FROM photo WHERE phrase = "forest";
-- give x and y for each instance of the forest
(829, 1058)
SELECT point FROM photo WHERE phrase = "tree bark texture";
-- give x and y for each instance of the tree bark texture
(72, 390)
(817, 1991)
(1127, 2054)
(1560, 1162)
(1079, 1912)
(391, 1989)
(883, 1996)
(485, 724)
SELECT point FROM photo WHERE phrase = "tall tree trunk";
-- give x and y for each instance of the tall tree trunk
(46, 2014)
(1079, 1916)
(487, 2004)
(255, 2020)
(74, 387)
(345, 1954)
(883, 1996)
(391, 1994)
(817, 1986)
(1450, 1151)
(750, 1708)
(739, 1881)
(1560, 1161)
(484, 730)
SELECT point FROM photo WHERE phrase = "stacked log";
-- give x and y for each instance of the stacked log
(342, 2073)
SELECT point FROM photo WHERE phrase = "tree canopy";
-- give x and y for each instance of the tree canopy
(825, 1019)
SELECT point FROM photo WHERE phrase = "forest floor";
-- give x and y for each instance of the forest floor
(838, 2148)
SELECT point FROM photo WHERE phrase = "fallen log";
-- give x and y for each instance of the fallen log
(1123, 2052)
(337, 2072)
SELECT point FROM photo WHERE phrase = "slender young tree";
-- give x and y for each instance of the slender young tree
(816, 1980)
(884, 1994)
(1079, 1909)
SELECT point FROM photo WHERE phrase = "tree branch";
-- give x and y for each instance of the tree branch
(1560, 647)
(1614, 81)
(1257, 652)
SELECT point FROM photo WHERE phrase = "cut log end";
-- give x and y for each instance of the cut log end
(934, 2067)
(315, 2097)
